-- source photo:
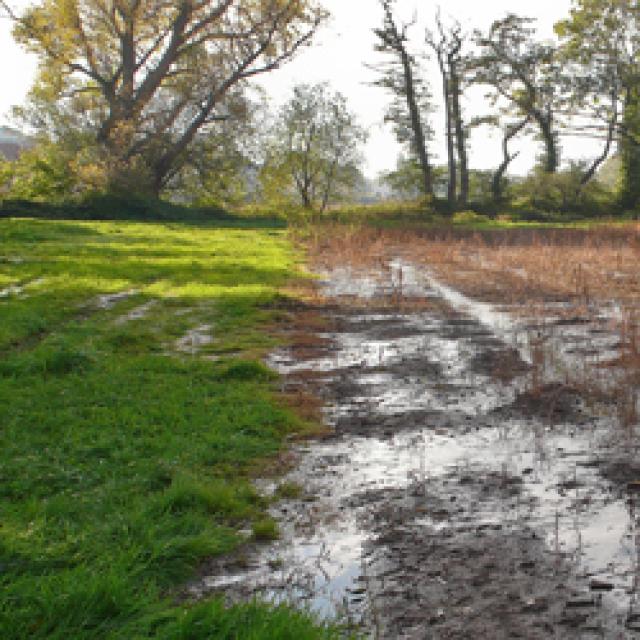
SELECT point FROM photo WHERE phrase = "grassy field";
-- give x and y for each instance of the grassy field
(125, 451)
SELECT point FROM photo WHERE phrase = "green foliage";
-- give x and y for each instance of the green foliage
(406, 180)
(289, 490)
(221, 166)
(630, 152)
(314, 150)
(253, 622)
(468, 217)
(527, 73)
(266, 530)
(562, 193)
(246, 370)
(480, 187)
(143, 97)
(600, 42)
(41, 174)
(124, 464)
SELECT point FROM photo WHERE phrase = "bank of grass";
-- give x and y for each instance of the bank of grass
(420, 215)
(125, 463)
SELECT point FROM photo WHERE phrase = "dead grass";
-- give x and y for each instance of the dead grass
(527, 264)
(550, 276)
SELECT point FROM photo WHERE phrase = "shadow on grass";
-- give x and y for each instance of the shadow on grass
(106, 208)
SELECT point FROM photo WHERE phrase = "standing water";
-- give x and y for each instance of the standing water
(452, 499)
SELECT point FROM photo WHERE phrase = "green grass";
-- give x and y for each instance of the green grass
(125, 463)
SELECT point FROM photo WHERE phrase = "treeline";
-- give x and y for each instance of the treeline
(586, 82)
(148, 99)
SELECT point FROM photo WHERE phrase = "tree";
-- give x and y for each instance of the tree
(411, 97)
(510, 131)
(220, 168)
(447, 45)
(43, 173)
(405, 181)
(602, 38)
(315, 147)
(526, 74)
(147, 75)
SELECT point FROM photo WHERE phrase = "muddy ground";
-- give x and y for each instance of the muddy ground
(463, 491)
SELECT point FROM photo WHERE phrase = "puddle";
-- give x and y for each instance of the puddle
(452, 500)
(108, 301)
(195, 339)
(137, 314)
(11, 290)
(19, 289)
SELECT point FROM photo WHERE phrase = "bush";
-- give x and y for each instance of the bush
(468, 217)
(41, 174)
(266, 530)
(561, 192)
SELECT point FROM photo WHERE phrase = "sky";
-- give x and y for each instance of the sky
(338, 56)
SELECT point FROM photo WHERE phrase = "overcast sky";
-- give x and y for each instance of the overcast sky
(338, 56)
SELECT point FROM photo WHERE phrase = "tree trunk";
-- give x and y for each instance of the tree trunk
(451, 158)
(611, 129)
(498, 176)
(461, 139)
(420, 142)
(551, 156)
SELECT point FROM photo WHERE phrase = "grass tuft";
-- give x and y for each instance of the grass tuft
(247, 370)
(265, 530)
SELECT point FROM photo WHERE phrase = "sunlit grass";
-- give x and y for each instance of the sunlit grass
(124, 463)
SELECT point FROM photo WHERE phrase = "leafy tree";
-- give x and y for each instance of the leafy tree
(43, 173)
(411, 96)
(314, 151)
(145, 76)
(602, 37)
(526, 74)
(223, 162)
(480, 187)
(405, 181)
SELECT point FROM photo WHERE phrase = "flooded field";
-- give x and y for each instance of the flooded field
(471, 484)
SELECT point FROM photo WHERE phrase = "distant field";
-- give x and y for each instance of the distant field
(133, 411)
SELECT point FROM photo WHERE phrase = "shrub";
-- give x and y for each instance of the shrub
(561, 192)
(467, 217)
(266, 530)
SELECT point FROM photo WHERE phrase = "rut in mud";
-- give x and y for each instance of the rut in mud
(460, 494)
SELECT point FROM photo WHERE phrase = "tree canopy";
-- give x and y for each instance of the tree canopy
(315, 147)
(147, 75)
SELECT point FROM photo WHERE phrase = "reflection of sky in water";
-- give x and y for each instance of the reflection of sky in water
(321, 564)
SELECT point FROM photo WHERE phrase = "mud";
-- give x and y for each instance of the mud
(463, 492)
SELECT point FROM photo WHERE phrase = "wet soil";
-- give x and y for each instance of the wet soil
(461, 492)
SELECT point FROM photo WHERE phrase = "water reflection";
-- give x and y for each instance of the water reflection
(449, 442)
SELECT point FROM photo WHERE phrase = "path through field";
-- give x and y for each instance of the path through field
(461, 492)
